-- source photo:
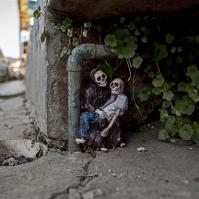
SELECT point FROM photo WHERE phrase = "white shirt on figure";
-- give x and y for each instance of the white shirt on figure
(112, 105)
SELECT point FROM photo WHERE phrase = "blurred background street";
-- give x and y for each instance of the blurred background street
(16, 21)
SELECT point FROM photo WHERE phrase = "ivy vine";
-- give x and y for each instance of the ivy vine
(172, 66)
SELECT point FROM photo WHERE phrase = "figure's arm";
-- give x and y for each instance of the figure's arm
(89, 100)
(104, 132)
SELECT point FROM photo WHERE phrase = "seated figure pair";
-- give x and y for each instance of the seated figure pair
(100, 126)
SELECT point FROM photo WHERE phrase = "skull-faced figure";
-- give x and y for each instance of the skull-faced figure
(97, 92)
(95, 96)
(112, 110)
(110, 135)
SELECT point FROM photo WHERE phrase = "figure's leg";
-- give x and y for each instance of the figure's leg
(85, 120)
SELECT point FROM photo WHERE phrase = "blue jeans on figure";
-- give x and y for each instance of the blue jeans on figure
(85, 120)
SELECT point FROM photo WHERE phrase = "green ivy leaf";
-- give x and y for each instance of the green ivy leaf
(196, 39)
(67, 22)
(151, 74)
(75, 42)
(137, 33)
(131, 26)
(179, 49)
(195, 79)
(70, 32)
(164, 115)
(168, 95)
(169, 38)
(191, 70)
(62, 28)
(196, 131)
(137, 61)
(126, 44)
(158, 90)
(163, 135)
(65, 51)
(181, 87)
(36, 14)
(144, 94)
(143, 29)
(87, 25)
(184, 106)
(160, 52)
(173, 50)
(43, 36)
(179, 60)
(158, 81)
(192, 92)
(110, 40)
(170, 125)
(186, 132)
(148, 68)
(122, 19)
(165, 104)
(144, 39)
(99, 28)
(190, 38)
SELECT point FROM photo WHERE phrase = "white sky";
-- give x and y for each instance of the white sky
(9, 28)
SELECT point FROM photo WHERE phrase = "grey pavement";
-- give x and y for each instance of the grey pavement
(12, 88)
(163, 171)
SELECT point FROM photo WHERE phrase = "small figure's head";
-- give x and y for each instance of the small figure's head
(117, 86)
(99, 77)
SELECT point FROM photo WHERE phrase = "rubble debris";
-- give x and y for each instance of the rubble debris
(13, 161)
(141, 149)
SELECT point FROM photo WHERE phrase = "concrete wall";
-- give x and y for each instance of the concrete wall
(36, 75)
(46, 79)
(46, 74)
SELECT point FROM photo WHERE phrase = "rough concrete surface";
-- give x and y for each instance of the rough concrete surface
(46, 79)
(93, 10)
(164, 171)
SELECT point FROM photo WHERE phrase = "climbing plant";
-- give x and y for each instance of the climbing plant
(173, 71)
(168, 56)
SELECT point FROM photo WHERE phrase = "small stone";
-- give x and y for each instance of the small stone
(152, 127)
(122, 144)
(114, 175)
(104, 149)
(186, 182)
(190, 148)
(69, 170)
(141, 149)
(109, 170)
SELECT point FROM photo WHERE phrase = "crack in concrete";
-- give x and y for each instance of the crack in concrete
(83, 181)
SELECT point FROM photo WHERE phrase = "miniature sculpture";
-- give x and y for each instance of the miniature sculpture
(95, 96)
(97, 92)
(100, 129)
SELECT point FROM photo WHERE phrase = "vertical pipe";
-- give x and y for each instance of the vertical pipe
(74, 79)
(74, 68)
